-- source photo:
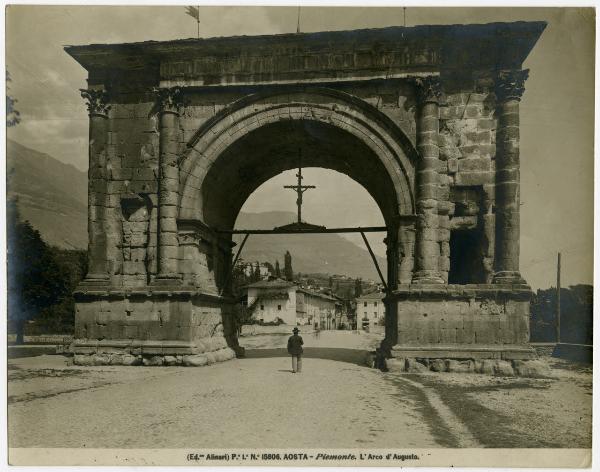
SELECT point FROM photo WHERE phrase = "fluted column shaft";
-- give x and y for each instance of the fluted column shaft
(427, 248)
(169, 101)
(97, 104)
(509, 89)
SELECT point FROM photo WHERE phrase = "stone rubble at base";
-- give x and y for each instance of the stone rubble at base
(498, 367)
(125, 359)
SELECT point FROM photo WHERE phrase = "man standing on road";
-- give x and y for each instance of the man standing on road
(294, 347)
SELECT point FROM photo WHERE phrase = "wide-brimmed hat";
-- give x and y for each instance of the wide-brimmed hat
(295, 330)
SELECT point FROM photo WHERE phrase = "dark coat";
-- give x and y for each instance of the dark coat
(294, 346)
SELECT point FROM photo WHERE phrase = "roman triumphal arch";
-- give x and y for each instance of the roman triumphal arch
(426, 118)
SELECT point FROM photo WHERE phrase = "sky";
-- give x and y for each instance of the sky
(557, 109)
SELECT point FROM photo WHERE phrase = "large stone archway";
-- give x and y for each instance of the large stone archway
(182, 132)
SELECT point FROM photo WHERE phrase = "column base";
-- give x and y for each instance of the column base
(95, 280)
(508, 277)
(167, 280)
(427, 277)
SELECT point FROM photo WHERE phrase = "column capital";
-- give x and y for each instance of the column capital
(429, 88)
(97, 101)
(169, 99)
(510, 84)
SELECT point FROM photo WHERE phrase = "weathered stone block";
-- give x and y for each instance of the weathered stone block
(482, 164)
(537, 369)
(473, 178)
(224, 354)
(452, 166)
(153, 361)
(100, 359)
(83, 359)
(195, 361)
(438, 365)
(128, 359)
(171, 360)
(413, 366)
(396, 365)
(460, 367)
(503, 369)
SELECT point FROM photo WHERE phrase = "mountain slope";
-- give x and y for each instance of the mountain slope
(52, 196)
(311, 253)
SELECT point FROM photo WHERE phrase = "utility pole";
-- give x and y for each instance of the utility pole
(558, 300)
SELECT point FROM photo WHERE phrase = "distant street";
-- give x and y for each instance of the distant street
(257, 402)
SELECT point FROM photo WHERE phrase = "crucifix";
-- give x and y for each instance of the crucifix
(299, 188)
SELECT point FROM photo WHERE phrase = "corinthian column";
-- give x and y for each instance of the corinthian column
(169, 102)
(98, 107)
(509, 89)
(427, 249)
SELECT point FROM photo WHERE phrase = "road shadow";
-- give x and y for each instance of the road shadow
(352, 356)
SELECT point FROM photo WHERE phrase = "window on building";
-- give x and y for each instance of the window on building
(262, 307)
(375, 314)
(365, 303)
(365, 314)
(279, 307)
(375, 303)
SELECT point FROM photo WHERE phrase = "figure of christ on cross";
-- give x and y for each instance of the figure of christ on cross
(299, 188)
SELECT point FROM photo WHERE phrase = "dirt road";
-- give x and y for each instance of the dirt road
(336, 402)
(242, 403)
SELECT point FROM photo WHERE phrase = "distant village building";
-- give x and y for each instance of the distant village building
(370, 310)
(271, 299)
(248, 269)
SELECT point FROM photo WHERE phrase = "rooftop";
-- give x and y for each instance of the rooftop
(371, 296)
(271, 284)
(317, 294)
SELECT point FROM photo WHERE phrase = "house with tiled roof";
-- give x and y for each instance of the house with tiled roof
(275, 298)
(370, 309)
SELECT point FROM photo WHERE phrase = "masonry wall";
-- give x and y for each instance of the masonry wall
(467, 151)
(145, 317)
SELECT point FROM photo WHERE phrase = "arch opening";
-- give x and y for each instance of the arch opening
(245, 147)
(260, 136)
(274, 148)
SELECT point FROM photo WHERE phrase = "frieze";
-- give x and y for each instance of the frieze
(298, 64)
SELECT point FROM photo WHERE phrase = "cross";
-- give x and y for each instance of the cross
(299, 188)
